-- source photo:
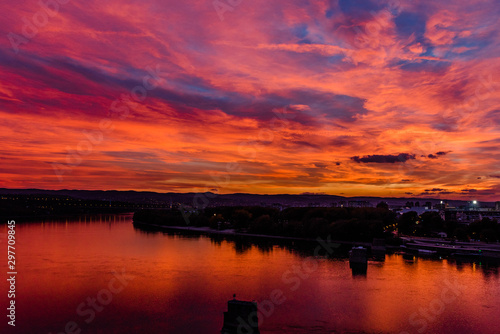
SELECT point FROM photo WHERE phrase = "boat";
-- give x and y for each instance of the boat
(409, 257)
(426, 252)
(408, 254)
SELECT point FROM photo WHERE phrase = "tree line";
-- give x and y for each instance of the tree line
(351, 224)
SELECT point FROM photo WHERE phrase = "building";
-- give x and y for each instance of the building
(466, 215)
(419, 210)
(473, 205)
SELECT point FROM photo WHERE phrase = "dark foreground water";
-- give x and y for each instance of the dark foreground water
(102, 275)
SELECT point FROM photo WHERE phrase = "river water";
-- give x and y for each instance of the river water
(101, 274)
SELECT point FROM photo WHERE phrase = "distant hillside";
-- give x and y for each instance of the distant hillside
(212, 199)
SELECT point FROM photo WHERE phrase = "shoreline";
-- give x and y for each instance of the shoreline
(232, 232)
(39, 218)
(487, 254)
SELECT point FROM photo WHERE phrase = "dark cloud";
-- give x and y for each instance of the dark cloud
(442, 153)
(44, 72)
(321, 105)
(495, 176)
(402, 157)
(437, 154)
(406, 180)
(469, 190)
(435, 190)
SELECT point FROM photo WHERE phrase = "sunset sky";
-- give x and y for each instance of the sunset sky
(344, 97)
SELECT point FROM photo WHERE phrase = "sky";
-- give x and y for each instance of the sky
(344, 97)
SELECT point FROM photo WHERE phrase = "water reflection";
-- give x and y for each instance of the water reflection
(183, 282)
(244, 244)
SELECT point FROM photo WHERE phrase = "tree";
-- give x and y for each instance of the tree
(383, 205)
(489, 235)
(241, 218)
(461, 234)
(263, 225)
(407, 222)
(215, 220)
(431, 221)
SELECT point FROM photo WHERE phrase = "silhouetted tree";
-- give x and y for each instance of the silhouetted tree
(407, 222)
(215, 220)
(461, 234)
(489, 235)
(430, 222)
(241, 218)
(263, 225)
(383, 205)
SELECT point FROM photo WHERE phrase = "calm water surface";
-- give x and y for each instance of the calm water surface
(181, 284)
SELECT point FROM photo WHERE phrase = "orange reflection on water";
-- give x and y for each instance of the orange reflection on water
(182, 283)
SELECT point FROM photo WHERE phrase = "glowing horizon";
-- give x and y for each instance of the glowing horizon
(351, 98)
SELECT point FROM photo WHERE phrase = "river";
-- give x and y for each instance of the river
(100, 274)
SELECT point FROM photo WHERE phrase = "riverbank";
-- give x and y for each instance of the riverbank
(58, 216)
(232, 232)
(455, 249)
(438, 247)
